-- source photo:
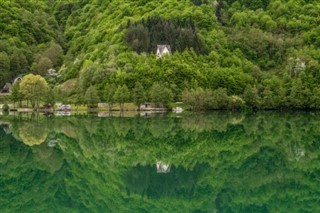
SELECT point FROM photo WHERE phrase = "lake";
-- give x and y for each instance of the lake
(189, 162)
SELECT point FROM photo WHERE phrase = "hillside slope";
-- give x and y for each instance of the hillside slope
(266, 47)
(27, 28)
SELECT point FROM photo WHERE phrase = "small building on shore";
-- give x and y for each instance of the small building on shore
(6, 88)
(147, 106)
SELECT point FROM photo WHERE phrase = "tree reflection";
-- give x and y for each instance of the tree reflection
(32, 133)
(224, 162)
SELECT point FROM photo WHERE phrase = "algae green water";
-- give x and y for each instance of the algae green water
(210, 162)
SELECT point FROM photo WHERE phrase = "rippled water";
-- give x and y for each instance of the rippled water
(210, 162)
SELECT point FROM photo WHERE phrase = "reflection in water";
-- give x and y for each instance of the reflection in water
(32, 133)
(162, 167)
(5, 127)
(52, 142)
(63, 113)
(180, 182)
(217, 162)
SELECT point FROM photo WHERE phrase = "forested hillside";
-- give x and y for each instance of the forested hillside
(30, 39)
(263, 53)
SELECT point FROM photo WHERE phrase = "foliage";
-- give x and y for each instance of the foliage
(50, 97)
(91, 97)
(219, 99)
(42, 66)
(15, 93)
(54, 52)
(251, 96)
(4, 67)
(206, 99)
(122, 95)
(138, 94)
(180, 34)
(26, 29)
(196, 99)
(33, 88)
(108, 95)
(160, 94)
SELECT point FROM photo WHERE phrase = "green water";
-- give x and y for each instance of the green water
(216, 162)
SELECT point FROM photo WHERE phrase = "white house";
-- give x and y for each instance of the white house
(163, 50)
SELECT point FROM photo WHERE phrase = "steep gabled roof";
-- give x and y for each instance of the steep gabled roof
(163, 49)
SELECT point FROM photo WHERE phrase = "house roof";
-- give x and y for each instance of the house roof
(162, 47)
(19, 78)
(7, 86)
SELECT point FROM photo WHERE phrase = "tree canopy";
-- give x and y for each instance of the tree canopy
(33, 88)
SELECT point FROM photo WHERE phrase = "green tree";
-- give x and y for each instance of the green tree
(79, 96)
(196, 99)
(281, 99)
(219, 99)
(15, 93)
(18, 63)
(33, 88)
(236, 102)
(85, 75)
(251, 96)
(315, 99)
(61, 95)
(43, 65)
(108, 95)
(160, 94)
(138, 94)
(4, 68)
(54, 53)
(50, 97)
(122, 95)
(267, 98)
(92, 97)
(296, 96)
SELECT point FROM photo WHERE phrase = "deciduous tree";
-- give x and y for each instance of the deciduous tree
(138, 94)
(33, 88)
(108, 95)
(4, 68)
(160, 94)
(122, 95)
(50, 97)
(15, 94)
(92, 97)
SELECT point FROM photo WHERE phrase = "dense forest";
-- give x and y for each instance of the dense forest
(226, 54)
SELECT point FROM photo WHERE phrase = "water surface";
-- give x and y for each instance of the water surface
(213, 162)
